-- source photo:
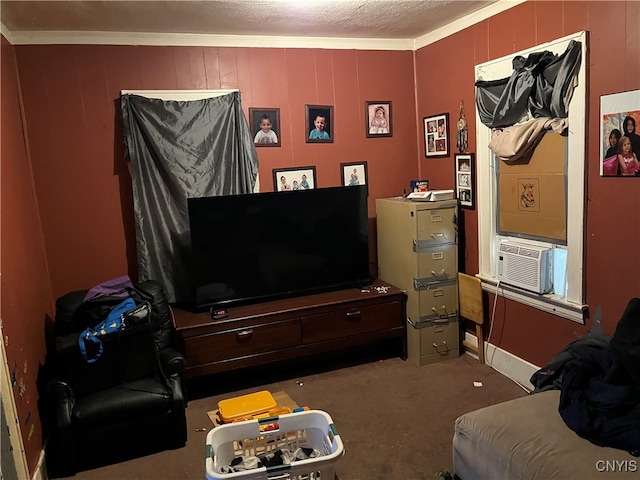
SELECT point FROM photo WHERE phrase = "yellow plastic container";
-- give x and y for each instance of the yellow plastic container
(243, 406)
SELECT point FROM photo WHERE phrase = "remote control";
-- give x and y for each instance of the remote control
(219, 314)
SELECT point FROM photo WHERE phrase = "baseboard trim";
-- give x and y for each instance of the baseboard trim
(506, 363)
(41, 469)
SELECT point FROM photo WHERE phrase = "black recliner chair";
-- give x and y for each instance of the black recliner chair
(128, 403)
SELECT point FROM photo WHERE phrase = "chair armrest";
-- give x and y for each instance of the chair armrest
(179, 423)
(172, 361)
(61, 400)
(173, 366)
(62, 450)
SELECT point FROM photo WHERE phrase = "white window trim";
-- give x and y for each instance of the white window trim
(573, 307)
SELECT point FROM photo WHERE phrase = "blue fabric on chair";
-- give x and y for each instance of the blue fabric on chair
(112, 324)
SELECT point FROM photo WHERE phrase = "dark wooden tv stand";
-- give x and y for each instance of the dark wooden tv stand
(284, 329)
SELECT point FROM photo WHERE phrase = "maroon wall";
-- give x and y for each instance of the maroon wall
(445, 73)
(26, 296)
(71, 96)
(66, 196)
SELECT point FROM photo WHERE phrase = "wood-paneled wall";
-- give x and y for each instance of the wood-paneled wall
(27, 308)
(66, 194)
(71, 97)
(612, 223)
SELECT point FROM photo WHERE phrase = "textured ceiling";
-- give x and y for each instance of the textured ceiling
(391, 19)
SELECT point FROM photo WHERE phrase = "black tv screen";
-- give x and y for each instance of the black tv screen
(264, 246)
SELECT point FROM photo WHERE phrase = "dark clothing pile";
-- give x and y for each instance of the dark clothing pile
(626, 340)
(598, 402)
(550, 376)
(282, 456)
(600, 384)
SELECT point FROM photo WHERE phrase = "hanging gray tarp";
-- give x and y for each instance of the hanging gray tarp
(181, 149)
(541, 84)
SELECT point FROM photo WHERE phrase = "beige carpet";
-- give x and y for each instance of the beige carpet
(395, 419)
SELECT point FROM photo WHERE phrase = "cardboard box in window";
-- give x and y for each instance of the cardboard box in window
(532, 196)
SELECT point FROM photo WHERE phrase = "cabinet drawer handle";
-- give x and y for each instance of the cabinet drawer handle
(444, 313)
(244, 333)
(353, 314)
(444, 350)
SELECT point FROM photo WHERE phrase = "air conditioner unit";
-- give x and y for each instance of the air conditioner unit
(526, 266)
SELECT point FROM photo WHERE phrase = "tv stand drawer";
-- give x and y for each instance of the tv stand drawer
(350, 320)
(240, 342)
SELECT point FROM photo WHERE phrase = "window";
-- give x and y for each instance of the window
(568, 296)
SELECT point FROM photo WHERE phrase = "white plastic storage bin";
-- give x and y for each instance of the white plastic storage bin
(310, 429)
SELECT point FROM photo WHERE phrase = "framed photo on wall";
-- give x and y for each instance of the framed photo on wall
(465, 179)
(378, 119)
(319, 120)
(354, 174)
(436, 135)
(265, 126)
(298, 178)
(620, 116)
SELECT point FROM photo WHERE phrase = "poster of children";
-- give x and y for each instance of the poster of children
(619, 134)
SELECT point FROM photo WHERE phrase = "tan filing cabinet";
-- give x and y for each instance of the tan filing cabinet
(418, 252)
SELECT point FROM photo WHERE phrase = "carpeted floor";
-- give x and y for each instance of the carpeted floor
(395, 419)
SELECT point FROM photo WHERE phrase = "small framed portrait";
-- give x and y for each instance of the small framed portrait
(319, 123)
(265, 126)
(465, 180)
(354, 174)
(298, 178)
(378, 119)
(436, 135)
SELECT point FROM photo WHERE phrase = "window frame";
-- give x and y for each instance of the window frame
(572, 307)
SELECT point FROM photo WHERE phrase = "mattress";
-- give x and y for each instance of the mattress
(526, 438)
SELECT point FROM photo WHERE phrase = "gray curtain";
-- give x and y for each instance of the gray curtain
(541, 84)
(178, 150)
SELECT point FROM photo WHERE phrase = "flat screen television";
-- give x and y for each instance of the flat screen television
(265, 246)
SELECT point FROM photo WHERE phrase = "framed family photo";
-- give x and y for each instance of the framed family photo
(353, 174)
(319, 120)
(265, 126)
(436, 135)
(619, 134)
(378, 119)
(465, 179)
(298, 178)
